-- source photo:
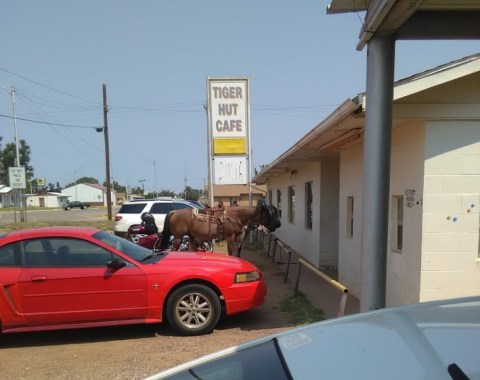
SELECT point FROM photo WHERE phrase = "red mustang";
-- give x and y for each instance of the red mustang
(72, 277)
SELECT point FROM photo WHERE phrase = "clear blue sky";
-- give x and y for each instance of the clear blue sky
(154, 57)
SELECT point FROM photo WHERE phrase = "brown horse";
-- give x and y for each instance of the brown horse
(226, 225)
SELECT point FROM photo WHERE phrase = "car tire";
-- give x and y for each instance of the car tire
(193, 309)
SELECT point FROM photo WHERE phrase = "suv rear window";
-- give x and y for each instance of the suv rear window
(178, 206)
(161, 208)
(132, 208)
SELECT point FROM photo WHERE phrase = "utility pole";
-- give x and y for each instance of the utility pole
(107, 153)
(155, 179)
(19, 194)
(185, 183)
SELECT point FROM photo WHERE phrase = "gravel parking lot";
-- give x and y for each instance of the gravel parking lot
(134, 352)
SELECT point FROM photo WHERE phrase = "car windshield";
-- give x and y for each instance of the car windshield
(242, 365)
(129, 248)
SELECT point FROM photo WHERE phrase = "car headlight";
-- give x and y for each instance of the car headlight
(247, 277)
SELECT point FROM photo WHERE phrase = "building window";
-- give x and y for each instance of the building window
(279, 202)
(308, 205)
(397, 225)
(350, 217)
(291, 204)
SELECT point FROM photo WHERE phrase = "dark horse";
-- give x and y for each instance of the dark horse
(226, 225)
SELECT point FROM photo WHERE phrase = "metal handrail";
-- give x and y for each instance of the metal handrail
(311, 267)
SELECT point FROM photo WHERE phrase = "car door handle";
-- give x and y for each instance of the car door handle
(39, 278)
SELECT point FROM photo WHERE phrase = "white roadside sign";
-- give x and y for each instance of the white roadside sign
(17, 177)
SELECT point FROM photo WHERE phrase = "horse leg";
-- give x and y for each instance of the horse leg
(191, 243)
(176, 243)
(230, 244)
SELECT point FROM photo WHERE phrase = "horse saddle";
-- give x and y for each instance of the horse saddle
(217, 216)
(211, 217)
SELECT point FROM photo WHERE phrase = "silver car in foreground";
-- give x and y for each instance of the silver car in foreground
(431, 340)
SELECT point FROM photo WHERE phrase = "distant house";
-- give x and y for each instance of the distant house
(46, 200)
(237, 193)
(92, 193)
(121, 198)
(6, 196)
(434, 235)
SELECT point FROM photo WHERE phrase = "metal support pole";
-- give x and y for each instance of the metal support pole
(269, 244)
(376, 182)
(343, 304)
(297, 280)
(274, 250)
(289, 259)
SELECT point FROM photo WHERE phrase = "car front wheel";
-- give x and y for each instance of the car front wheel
(193, 310)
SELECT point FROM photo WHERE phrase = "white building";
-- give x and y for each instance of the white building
(51, 199)
(434, 223)
(91, 193)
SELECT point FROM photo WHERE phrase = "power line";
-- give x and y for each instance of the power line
(48, 123)
(50, 88)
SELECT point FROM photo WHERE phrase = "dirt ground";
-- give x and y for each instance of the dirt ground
(134, 352)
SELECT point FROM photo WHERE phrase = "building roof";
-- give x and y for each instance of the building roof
(48, 194)
(95, 185)
(4, 189)
(346, 124)
(236, 190)
(414, 19)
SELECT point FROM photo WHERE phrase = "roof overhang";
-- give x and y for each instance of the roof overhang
(414, 19)
(344, 125)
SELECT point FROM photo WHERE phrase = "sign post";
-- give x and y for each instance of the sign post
(17, 181)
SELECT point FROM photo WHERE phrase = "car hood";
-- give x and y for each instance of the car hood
(421, 341)
(403, 343)
(201, 257)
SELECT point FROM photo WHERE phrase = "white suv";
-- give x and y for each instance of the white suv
(130, 213)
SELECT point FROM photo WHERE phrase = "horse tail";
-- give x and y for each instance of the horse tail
(166, 232)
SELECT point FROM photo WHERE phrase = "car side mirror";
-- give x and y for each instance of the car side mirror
(116, 264)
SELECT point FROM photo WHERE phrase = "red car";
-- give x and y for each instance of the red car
(72, 277)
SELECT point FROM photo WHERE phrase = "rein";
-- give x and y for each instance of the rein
(247, 218)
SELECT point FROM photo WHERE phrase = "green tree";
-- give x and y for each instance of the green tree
(35, 188)
(118, 187)
(53, 187)
(256, 171)
(166, 193)
(84, 180)
(8, 157)
(191, 194)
